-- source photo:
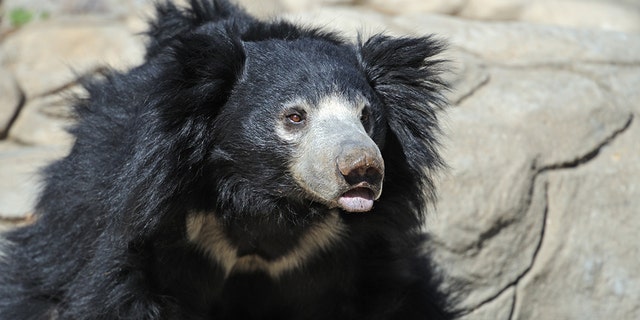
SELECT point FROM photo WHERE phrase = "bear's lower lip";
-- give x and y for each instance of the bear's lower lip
(357, 200)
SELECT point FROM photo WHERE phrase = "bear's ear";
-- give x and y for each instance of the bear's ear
(208, 63)
(405, 74)
(171, 21)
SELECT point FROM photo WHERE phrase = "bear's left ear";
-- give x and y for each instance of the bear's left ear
(406, 76)
(209, 61)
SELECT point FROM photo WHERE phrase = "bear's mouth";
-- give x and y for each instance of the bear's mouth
(359, 199)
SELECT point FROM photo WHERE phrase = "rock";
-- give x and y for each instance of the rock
(499, 308)
(305, 5)
(493, 9)
(490, 212)
(620, 80)
(348, 21)
(48, 55)
(521, 44)
(465, 75)
(19, 177)
(489, 216)
(564, 114)
(587, 267)
(412, 6)
(583, 14)
(270, 8)
(112, 8)
(615, 15)
(11, 99)
(44, 121)
(264, 8)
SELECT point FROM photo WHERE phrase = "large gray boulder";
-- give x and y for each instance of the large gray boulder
(46, 56)
(586, 267)
(11, 100)
(554, 99)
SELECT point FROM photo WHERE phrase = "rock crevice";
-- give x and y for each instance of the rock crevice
(578, 161)
(584, 158)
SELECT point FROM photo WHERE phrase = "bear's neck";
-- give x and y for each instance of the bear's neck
(264, 243)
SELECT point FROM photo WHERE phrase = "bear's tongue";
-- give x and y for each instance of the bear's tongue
(357, 200)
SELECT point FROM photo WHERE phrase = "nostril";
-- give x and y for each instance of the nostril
(359, 163)
(364, 173)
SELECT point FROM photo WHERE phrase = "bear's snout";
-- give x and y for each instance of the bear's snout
(335, 160)
(360, 164)
(362, 168)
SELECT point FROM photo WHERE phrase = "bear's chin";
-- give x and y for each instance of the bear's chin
(357, 200)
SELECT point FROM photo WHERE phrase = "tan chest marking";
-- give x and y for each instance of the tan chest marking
(206, 232)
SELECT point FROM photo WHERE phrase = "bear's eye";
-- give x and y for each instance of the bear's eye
(295, 118)
(364, 117)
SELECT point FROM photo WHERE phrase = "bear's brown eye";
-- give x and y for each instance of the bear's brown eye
(364, 117)
(295, 118)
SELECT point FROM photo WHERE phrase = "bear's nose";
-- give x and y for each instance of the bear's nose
(358, 164)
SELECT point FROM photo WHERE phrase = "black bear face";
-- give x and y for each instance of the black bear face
(295, 115)
(334, 159)
(306, 105)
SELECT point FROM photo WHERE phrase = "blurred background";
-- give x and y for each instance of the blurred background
(539, 212)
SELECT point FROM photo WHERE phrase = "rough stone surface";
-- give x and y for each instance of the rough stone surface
(493, 9)
(564, 114)
(518, 43)
(591, 237)
(19, 179)
(348, 21)
(46, 56)
(10, 100)
(403, 6)
(537, 217)
(43, 121)
(466, 75)
(586, 14)
(487, 197)
(499, 308)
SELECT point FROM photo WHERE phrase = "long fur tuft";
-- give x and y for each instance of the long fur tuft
(405, 72)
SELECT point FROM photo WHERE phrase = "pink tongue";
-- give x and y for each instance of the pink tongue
(357, 200)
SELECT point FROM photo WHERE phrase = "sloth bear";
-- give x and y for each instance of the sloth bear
(238, 173)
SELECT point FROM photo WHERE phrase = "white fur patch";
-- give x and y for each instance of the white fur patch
(338, 108)
(331, 108)
(206, 232)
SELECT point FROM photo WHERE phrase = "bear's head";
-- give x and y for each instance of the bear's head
(256, 138)
(277, 116)
(302, 122)
(284, 123)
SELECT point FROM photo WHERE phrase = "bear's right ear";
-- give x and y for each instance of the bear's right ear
(405, 73)
(208, 63)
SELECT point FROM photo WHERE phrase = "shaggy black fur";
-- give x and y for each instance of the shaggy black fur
(192, 130)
